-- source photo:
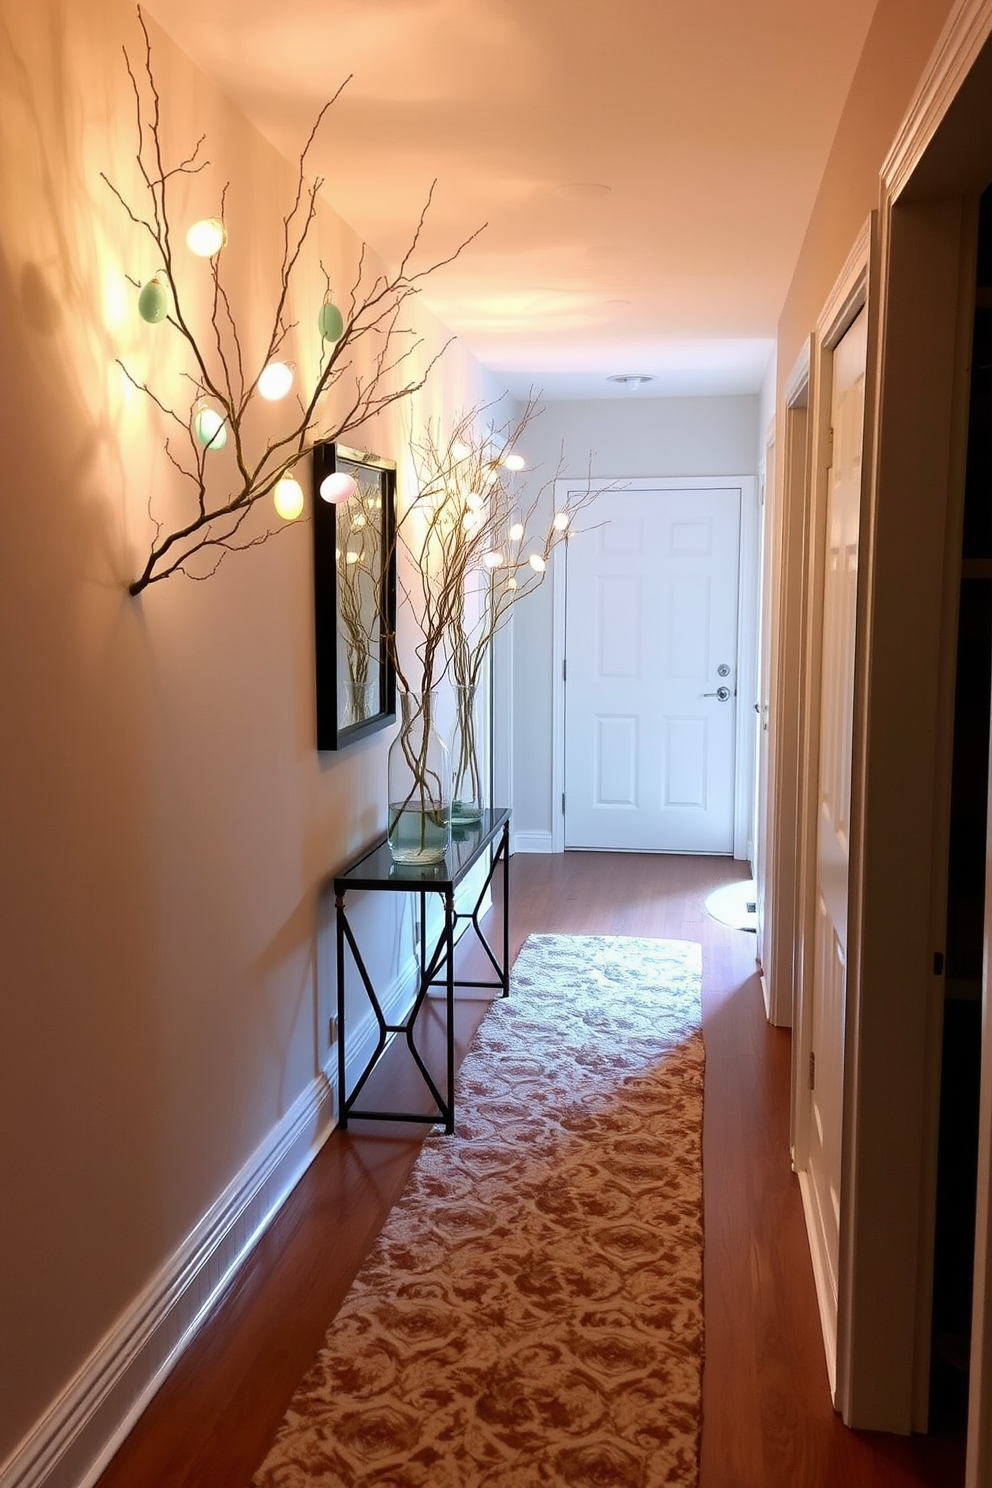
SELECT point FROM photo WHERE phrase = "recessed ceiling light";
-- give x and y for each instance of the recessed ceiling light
(630, 379)
(581, 190)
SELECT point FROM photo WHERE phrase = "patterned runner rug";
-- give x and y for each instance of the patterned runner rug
(531, 1313)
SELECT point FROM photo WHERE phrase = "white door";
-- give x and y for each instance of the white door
(651, 679)
(829, 982)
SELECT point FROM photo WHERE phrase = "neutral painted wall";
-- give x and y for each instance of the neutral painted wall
(609, 439)
(165, 820)
(900, 40)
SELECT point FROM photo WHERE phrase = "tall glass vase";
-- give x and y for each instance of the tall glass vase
(419, 774)
(469, 757)
(361, 701)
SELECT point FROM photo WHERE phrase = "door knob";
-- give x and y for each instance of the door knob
(722, 693)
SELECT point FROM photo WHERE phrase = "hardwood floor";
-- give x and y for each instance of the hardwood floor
(767, 1417)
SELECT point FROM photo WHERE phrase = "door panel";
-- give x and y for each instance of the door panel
(651, 617)
(829, 988)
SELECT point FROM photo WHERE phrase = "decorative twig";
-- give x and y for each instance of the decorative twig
(464, 527)
(216, 352)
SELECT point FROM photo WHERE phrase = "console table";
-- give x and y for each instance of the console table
(375, 871)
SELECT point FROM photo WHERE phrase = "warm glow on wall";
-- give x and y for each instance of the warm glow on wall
(117, 301)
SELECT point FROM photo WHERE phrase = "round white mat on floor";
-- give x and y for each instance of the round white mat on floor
(734, 905)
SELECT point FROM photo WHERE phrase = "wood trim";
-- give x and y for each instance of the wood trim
(532, 842)
(902, 597)
(785, 743)
(965, 32)
(747, 668)
(849, 295)
(797, 383)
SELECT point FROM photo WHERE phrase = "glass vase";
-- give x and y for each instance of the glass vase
(361, 701)
(419, 778)
(469, 758)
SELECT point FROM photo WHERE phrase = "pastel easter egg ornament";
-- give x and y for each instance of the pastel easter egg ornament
(153, 301)
(209, 426)
(330, 321)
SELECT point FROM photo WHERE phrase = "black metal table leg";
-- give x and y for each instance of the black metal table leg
(376, 870)
(339, 929)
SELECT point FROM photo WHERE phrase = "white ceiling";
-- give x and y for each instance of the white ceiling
(646, 168)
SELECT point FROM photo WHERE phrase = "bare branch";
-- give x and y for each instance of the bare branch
(216, 366)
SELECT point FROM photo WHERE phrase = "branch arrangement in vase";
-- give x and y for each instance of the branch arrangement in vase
(226, 377)
(476, 545)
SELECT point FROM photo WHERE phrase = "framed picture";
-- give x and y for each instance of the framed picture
(354, 572)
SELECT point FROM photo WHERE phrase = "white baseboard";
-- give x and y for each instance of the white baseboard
(826, 1292)
(531, 842)
(73, 1442)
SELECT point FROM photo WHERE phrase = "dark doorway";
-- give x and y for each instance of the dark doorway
(960, 1063)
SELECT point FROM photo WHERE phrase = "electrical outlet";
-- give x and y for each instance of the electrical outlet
(332, 1029)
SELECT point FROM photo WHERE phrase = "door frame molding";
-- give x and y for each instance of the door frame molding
(747, 640)
(850, 295)
(786, 745)
(940, 162)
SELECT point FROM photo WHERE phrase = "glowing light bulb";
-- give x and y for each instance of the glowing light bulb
(492, 560)
(460, 451)
(514, 462)
(358, 521)
(338, 487)
(474, 501)
(516, 532)
(153, 301)
(511, 582)
(561, 521)
(537, 563)
(209, 426)
(206, 237)
(288, 497)
(351, 556)
(471, 522)
(275, 381)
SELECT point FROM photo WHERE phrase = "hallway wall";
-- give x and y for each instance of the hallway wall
(165, 819)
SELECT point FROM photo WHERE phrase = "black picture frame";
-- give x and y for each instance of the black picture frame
(339, 722)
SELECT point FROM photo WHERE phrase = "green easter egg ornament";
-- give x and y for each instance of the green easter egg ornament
(153, 302)
(330, 322)
(210, 428)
